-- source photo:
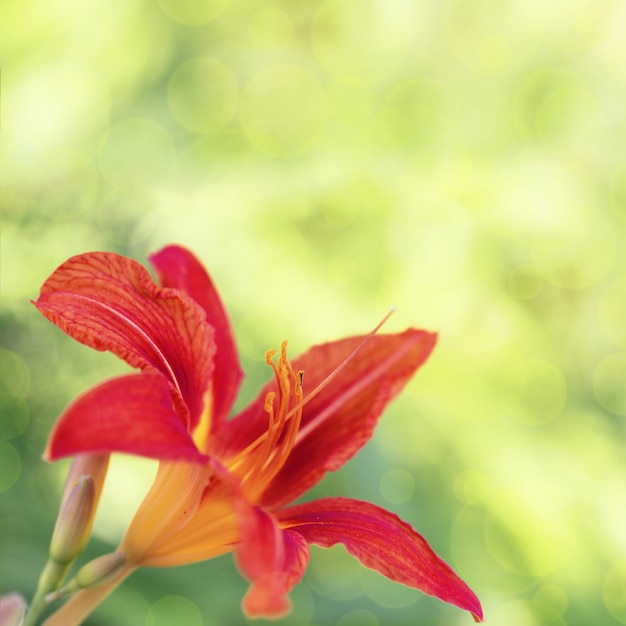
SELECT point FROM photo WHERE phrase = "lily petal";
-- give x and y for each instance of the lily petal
(177, 267)
(158, 534)
(340, 419)
(109, 302)
(187, 516)
(132, 414)
(274, 560)
(383, 542)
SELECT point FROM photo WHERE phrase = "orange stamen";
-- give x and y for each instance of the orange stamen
(263, 459)
(266, 455)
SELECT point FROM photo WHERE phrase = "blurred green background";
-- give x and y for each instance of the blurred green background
(461, 160)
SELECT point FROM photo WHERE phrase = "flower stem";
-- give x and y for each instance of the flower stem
(50, 579)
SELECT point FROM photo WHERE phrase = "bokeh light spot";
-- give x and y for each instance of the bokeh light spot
(609, 383)
(550, 601)
(543, 393)
(216, 150)
(413, 116)
(14, 377)
(490, 36)
(270, 29)
(573, 250)
(613, 591)
(334, 574)
(360, 617)
(203, 95)
(283, 110)
(517, 613)
(364, 41)
(386, 592)
(127, 216)
(495, 363)
(473, 560)
(15, 419)
(471, 487)
(552, 103)
(174, 610)
(129, 602)
(612, 312)
(19, 530)
(532, 549)
(10, 466)
(303, 605)
(525, 282)
(137, 151)
(397, 486)
(511, 207)
(192, 12)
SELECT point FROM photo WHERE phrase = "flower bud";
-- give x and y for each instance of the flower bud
(100, 570)
(73, 526)
(87, 464)
(93, 574)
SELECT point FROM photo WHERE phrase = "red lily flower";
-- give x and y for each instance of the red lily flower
(225, 484)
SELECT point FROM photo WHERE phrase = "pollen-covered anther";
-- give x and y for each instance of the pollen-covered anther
(269, 356)
(269, 404)
(284, 410)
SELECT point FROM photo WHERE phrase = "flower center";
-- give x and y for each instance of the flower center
(259, 462)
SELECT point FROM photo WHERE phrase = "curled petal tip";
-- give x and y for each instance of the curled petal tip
(262, 600)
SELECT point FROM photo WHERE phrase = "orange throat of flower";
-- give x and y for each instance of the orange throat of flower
(260, 461)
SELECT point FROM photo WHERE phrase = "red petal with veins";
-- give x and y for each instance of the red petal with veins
(109, 302)
(382, 542)
(274, 560)
(177, 267)
(338, 421)
(131, 414)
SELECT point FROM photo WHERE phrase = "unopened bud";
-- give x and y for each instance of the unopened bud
(93, 574)
(73, 526)
(100, 570)
(88, 464)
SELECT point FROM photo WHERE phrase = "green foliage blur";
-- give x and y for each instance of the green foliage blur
(461, 160)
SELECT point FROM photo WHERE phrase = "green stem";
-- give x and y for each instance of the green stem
(50, 579)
